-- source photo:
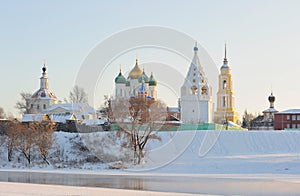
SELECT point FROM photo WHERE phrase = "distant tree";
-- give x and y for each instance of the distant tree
(2, 113)
(247, 118)
(23, 104)
(77, 95)
(107, 106)
(139, 121)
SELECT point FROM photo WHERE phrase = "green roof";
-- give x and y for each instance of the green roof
(120, 79)
(152, 81)
(144, 77)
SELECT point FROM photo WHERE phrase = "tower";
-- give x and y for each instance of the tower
(269, 113)
(43, 97)
(225, 96)
(120, 83)
(196, 99)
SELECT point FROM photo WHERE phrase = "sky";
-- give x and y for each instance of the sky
(263, 40)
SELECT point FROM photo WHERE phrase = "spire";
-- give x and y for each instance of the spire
(196, 48)
(225, 57)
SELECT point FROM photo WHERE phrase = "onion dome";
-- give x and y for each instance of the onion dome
(144, 77)
(152, 81)
(271, 98)
(120, 79)
(136, 72)
(225, 61)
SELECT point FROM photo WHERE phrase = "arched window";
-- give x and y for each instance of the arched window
(224, 84)
(194, 90)
(204, 90)
(44, 106)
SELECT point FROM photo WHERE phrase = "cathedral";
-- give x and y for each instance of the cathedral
(126, 88)
(196, 95)
(43, 97)
(225, 96)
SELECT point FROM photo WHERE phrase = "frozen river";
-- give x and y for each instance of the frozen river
(204, 184)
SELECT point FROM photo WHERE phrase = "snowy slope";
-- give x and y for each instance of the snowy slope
(191, 152)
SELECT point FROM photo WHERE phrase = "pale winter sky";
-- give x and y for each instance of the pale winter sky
(263, 39)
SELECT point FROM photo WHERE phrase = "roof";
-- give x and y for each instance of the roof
(120, 79)
(152, 81)
(136, 72)
(62, 118)
(270, 110)
(34, 117)
(290, 111)
(173, 109)
(93, 121)
(43, 94)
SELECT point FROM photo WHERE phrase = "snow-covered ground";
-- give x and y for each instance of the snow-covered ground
(251, 155)
(196, 152)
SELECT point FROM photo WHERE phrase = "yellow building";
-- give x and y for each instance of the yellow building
(225, 97)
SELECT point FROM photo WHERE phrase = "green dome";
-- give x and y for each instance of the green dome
(152, 81)
(120, 79)
(144, 77)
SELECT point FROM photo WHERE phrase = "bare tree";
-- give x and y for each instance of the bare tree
(26, 140)
(77, 95)
(23, 104)
(2, 113)
(139, 120)
(44, 133)
(10, 129)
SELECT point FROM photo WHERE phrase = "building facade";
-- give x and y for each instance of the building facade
(287, 119)
(225, 97)
(196, 95)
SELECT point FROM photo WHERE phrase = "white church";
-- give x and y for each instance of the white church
(196, 104)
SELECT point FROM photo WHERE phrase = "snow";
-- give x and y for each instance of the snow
(23, 189)
(181, 152)
(290, 111)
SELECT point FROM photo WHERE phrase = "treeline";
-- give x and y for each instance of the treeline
(30, 139)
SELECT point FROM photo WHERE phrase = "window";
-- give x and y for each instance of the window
(288, 117)
(294, 126)
(38, 106)
(288, 126)
(293, 117)
(224, 84)
(121, 92)
(203, 90)
(194, 90)
(298, 125)
(31, 106)
(298, 117)
(44, 106)
(224, 102)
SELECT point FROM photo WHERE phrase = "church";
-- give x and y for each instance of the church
(196, 104)
(43, 98)
(126, 88)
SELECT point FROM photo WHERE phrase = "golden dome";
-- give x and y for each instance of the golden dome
(136, 72)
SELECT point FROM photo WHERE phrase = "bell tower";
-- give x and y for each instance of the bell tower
(225, 96)
(196, 99)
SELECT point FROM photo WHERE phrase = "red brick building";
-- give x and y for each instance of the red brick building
(287, 119)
